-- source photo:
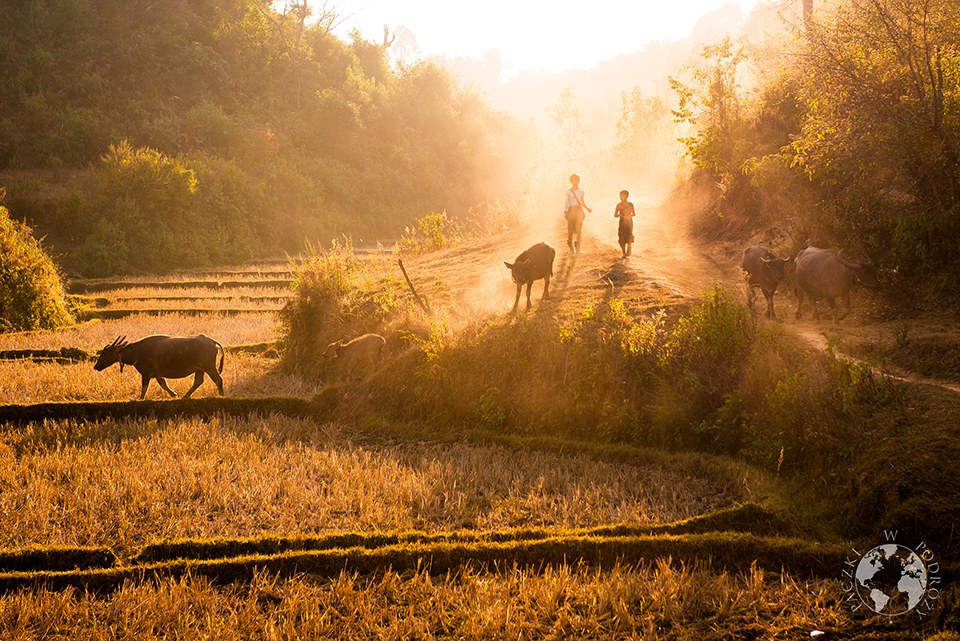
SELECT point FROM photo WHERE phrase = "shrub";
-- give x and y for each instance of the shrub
(332, 301)
(320, 286)
(430, 233)
(31, 290)
(142, 215)
(698, 376)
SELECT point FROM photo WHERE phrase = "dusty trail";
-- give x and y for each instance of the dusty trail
(667, 268)
(662, 252)
(665, 254)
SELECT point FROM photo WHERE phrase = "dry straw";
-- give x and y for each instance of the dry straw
(124, 484)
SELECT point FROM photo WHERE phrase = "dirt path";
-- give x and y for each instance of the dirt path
(667, 265)
(669, 269)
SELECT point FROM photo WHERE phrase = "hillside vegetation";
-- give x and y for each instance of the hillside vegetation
(148, 137)
(843, 132)
(31, 291)
(152, 137)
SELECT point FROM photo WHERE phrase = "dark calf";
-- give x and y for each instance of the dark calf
(765, 270)
(533, 264)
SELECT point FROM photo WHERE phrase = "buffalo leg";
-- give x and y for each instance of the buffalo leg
(799, 293)
(546, 287)
(352, 369)
(143, 387)
(771, 314)
(529, 287)
(517, 299)
(846, 309)
(197, 381)
(816, 312)
(216, 378)
(163, 384)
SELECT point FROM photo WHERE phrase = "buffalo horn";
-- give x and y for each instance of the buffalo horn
(846, 261)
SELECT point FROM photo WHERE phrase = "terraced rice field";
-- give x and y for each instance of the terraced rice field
(282, 525)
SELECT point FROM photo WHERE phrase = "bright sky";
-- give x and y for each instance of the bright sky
(530, 34)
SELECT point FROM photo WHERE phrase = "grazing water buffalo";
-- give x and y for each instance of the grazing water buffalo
(533, 264)
(828, 274)
(163, 357)
(366, 348)
(765, 270)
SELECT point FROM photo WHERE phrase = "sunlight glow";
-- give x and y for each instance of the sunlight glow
(529, 36)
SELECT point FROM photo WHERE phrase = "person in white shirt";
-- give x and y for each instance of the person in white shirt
(573, 211)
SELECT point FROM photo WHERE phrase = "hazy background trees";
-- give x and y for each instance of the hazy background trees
(842, 129)
(146, 136)
(189, 133)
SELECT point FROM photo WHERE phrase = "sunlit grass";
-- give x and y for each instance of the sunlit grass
(26, 381)
(251, 274)
(206, 304)
(193, 298)
(123, 484)
(568, 602)
(239, 329)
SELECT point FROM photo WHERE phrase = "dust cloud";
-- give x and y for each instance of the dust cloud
(666, 262)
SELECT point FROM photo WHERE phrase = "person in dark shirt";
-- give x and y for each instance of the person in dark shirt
(625, 212)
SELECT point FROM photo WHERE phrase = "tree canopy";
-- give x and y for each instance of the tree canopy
(270, 129)
(850, 134)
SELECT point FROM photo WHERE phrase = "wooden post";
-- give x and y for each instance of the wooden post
(420, 301)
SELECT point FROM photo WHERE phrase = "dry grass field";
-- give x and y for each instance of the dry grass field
(566, 602)
(125, 483)
(92, 336)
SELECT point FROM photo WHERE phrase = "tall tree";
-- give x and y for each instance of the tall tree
(708, 92)
(298, 33)
(569, 117)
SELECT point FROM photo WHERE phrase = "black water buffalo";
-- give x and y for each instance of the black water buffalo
(163, 357)
(765, 270)
(828, 274)
(533, 264)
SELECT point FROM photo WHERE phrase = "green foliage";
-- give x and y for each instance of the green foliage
(711, 381)
(31, 290)
(429, 233)
(290, 133)
(333, 300)
(321, 288)
(851, 136)
(711, 101)
(146, 213)
(926, 241)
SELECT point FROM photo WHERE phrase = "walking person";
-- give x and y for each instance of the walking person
(573, 210)
(625, 212)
